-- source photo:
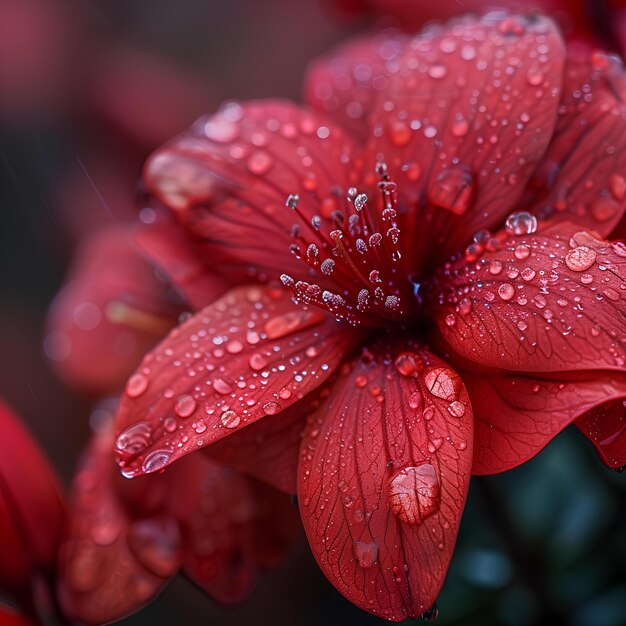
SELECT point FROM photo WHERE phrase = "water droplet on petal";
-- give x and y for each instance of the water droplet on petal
(506, 291)
(156, 461)
(457, 409)
(409, 364)
(135, 439)
(453, 189)
(185, 405)
(521, 223)
(366, 553)
(271, 408)
(580, 258)
(136, 385)
(230, 419)
(443, 383)
(260, 163)
(413, 493)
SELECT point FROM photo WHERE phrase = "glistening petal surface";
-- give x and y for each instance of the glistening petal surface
(605, 427)
(228, 179)
(550, 301)
(251, 354)
(383, 477)
(464, 121)
(582, 177)
(517, 415)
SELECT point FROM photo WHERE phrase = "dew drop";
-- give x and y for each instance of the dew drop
(413, 493)
(438, 70)
(453, 189)
(230, 419)
(443, 383)
(457, 409)
(136, 385)
(521, 223)
(260, 163)
(271, 408)
(506, 291)
(366, 553)
(156, 461)
(409, 364)
(580, 258)
(185, 405)
(415, 400)
(135, 439)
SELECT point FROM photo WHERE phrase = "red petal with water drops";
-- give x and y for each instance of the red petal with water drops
(517, 415)
(113, 309)
(548, 301)
(228, 179)
(112, 560)
(171, 249)
(251, 354)
(582, 177)
(346, 83)
(29, 492)
(383, 477)
(605, 426)
(462, 124)
(225, 522)
(268, 449)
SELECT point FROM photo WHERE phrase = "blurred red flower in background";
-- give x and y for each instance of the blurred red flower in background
(29, 493)
(456, 362)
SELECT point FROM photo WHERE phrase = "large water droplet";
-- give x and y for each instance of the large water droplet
(409, 364)
(136, 385)
(156, 461)
(414, 493)
(135, 439)
(521, 223)
(230, 419)
(443, 383)
(185, 405)
(453, 189)
(580, 258)
(366, 553)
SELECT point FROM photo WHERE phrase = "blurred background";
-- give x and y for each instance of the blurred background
(87, 89)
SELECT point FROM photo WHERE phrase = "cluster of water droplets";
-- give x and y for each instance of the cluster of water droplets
(229, 369)
(358, 259)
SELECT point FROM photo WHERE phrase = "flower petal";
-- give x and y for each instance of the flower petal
(252, 353)
(225, 521)
(346, 83)
(168, 247)
(113, 309)
(546, 302)
(517, 415)
(582, 176)
(112, 562)
(29, 492)
(268, 449)
(463, 123)
(228, 179)
(605, 427)
(383, 477)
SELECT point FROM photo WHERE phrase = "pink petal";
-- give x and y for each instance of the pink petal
(383, 477)
(582, 176)
(462, 124)
(546, 302)
(111, 563)
(252, 353)
(170, 249)
(346, 83)
(112, 310)
(605, 426)
(228, 179)
(517, 415)
(29, 492)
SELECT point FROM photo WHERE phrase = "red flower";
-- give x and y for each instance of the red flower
(125, 540)
(414, 363)
(29, 493)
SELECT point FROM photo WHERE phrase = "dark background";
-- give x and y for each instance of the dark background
(544, 544)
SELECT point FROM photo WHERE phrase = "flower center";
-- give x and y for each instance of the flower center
(353, 258)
